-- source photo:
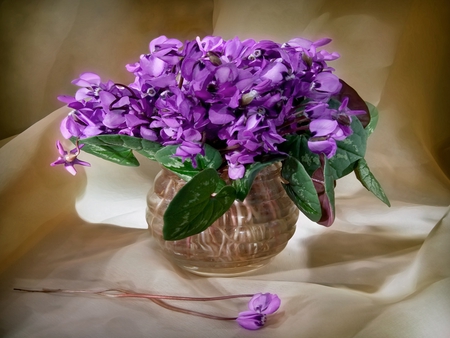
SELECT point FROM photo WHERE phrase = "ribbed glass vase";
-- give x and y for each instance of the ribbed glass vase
(245, 238)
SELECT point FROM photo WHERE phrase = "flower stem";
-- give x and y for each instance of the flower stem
(157, 299)
(189, 312)
(119, 293)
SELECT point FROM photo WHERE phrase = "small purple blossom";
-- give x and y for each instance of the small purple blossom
(261, 305)
(69, 158)
(325, 134)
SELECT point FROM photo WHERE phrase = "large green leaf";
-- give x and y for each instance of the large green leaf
(195, 207)
(373, 111)
(369, 181)
(300, 188)
(119, 148)
(185, 169)
(244, 184)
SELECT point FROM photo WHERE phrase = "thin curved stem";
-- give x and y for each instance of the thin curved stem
(121, 293)
(157, 299)
(189, 312)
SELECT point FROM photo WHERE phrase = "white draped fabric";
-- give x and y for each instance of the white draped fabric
(376, 272)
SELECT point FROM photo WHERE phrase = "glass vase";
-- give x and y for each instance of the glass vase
(245, 238)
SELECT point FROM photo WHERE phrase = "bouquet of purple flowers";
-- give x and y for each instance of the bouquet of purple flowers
(216, 112)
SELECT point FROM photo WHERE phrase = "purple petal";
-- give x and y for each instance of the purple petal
(226, 73)
(148, 134)
(157, 41)
(263, 86)
(218, 114)
(63, 128)
(90, 131)
(232, 48)
(70, 128)
(57, 162)
(327, 82)
(253, 121)
(82, 94)
(274, 72)
(60, 148)
(171, 122)
(132, 67)
(323, 127)
(87, 80)
(123, 101)
(113, 120)
(265, 303)
(133, 121)
(236, 171)
(153, 66)
(106, 98)
(250, 145)
(192, 135)
(270, 139)
(66, 98)
(322, 42)
(80, 162)
(69, 167)
(251, 320)
(164, 44)
(163, 81)
(328, 146)
(300, 42)
(187, 68)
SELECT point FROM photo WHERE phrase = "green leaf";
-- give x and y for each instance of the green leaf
(116, 154)
(244, 184)
(212, 159)
(297, 146)
(119, 148)
(300, 188)
(185, 170)
(324, 184)
(369, 181)
(195, 207)
(373, 111)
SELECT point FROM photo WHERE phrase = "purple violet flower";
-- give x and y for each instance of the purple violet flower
(328, 126)
(69, 159)
(261, 305)
(325, 134)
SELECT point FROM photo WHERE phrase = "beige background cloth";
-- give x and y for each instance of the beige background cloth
(377, 272)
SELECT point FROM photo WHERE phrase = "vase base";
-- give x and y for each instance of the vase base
(218, 271)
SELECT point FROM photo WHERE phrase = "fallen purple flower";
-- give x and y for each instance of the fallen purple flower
(261, 305)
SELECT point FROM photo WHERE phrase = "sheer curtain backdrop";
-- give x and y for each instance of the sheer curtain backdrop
(376, 272)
